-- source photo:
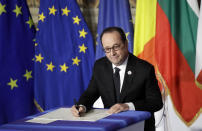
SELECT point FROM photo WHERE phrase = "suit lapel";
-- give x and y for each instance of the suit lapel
(110, 81)
(129, 76)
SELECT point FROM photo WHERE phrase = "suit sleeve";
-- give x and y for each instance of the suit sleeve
(91, 94)
(153, 98)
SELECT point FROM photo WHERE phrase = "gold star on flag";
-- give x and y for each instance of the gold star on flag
(127, 34)
(82, 48)
(65, 11)
(28, 74)
(50, 66)
(76, 61)
(83, 33)
(30, 22)
(39, 58)
(52, 10)
(17, 10)
(64, 67)
(76, 20)
(96, 43)
(36, 44)
(13, 83)
(2, 8)
(41, 17)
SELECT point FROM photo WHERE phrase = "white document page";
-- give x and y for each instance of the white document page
(66, 115)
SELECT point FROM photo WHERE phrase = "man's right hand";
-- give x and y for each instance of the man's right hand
(77, 112)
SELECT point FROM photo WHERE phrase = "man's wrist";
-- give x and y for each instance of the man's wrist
(84, 107)
(130, 105)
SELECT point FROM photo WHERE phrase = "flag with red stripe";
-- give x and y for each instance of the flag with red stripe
(166, 36)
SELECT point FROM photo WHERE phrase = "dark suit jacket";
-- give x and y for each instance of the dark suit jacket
(139, 87)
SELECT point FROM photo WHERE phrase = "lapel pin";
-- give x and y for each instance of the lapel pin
(129, 72)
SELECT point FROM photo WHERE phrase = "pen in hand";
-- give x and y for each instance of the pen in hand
(76, 105)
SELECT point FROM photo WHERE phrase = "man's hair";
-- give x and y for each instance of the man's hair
(112, 29)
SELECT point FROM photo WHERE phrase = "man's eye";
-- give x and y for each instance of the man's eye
(107, 49)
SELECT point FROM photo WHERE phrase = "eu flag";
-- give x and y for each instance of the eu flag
(114, 13)
(64, 54)
(17, 33)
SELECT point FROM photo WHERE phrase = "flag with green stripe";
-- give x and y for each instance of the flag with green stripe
(176, 33)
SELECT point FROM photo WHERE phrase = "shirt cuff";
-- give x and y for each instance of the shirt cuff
(83, 107)
(131, 106)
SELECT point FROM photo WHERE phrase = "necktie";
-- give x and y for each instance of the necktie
(116, 77)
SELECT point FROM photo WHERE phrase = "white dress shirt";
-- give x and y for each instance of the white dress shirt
(122, 71)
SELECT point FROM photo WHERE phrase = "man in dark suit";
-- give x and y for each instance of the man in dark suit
(123, 81)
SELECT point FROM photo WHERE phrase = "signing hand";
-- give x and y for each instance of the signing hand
(77, 112)
(118, 108)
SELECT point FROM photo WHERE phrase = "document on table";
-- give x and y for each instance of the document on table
(66, 115)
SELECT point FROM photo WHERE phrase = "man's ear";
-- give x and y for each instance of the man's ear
(126, 43)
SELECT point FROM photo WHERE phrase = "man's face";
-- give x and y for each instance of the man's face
(115, 49)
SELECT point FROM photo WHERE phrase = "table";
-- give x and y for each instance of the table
(124, 121)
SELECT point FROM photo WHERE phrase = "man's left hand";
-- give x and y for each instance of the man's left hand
(119, 107)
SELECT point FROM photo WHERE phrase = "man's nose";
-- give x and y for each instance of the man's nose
(113, 52)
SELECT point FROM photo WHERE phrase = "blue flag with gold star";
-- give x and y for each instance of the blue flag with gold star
(64, 54)
(17, 33)
(114, 13)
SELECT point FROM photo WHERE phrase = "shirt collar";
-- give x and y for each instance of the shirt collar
(122, 67)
